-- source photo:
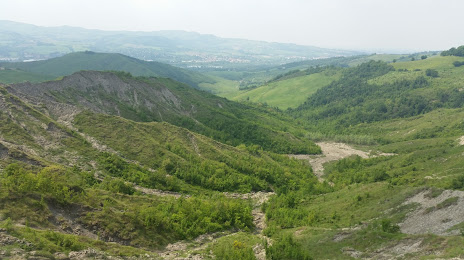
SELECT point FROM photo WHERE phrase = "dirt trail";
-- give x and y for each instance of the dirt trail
(333, 152)
(191, 249)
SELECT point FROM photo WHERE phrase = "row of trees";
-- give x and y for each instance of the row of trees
(459, 51)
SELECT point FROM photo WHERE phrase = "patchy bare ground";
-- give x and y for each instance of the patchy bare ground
(409, 248)
(191, 249)
(161, 193)
(67, 221)
(461, 140)
(435, 215)
(333, 152)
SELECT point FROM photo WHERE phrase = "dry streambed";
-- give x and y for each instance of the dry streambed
(333, 152)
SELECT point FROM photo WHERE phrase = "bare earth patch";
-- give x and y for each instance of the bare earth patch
(461, 140)
(333, 152)
(160, 193)
(435, 215)
(399, 250)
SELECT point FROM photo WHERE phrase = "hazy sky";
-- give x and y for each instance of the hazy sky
(349, 24)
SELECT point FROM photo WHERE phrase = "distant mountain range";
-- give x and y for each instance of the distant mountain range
(186, 49)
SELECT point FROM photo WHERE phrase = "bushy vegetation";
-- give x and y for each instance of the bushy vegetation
(431, 73)
(115, 166)
(190, 157)
(357, 170)
(62, 185)
(237, 250)
(286, 248)
(114, 213)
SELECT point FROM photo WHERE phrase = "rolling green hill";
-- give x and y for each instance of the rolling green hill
(376, 91)
(288, 93)
(262, 86)
(74, 62)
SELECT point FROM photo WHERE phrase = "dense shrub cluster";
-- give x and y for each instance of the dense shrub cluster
(62, 185)
(117, 212)
(287, 248)
(209, 165)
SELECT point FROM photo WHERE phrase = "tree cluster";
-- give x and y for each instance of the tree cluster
(459, 51)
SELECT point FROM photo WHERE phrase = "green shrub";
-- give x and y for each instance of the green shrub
(388, 227)
(431, 73)
(238, 250)
(286, 248)
(117, 185)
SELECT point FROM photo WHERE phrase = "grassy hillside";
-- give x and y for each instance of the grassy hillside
(262, 86)
(381, 204)
(74, 62)
(288, 93)
(194, 158)
(100, 184)
(376, 91)
(32, 137)
(9, 76)
(152, 99)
